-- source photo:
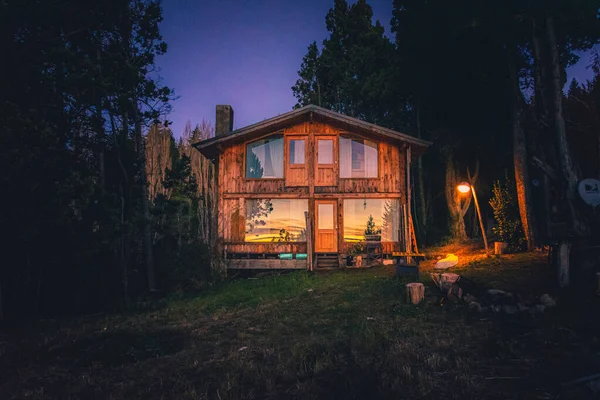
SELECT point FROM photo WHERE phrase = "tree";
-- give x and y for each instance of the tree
(352, 71)
(72, 149)
(371, 228)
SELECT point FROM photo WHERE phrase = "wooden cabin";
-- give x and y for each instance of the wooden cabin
(311, 188)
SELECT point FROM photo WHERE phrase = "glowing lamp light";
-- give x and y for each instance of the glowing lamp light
(464, 187)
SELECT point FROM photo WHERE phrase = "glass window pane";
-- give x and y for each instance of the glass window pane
(264, 158)
(297, 151)
(325, 151)
(371, 217)
(276, 220)
(325, 215)
(358, 158)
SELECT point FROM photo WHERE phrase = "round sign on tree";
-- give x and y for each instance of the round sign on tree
(589, 190)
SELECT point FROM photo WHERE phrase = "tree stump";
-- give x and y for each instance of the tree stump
(415, 292)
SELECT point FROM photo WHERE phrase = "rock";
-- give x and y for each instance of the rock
(500, 296)
(475, 306)
(547, 301)
(509, 309)
(539, 309)
(468, 298)
(522, 307)
(450, 261)
(496, 308)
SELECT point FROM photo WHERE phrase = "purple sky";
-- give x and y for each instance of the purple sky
(246, 53)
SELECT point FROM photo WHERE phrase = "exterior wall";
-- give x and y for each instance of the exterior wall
(234, 188)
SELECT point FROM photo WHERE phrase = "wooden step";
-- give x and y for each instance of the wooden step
(327, 260)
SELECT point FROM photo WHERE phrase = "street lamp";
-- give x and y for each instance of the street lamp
(465, 187)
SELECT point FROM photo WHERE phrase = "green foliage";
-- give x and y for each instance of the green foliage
(506, 213)
(182, 260)
(352, 71)
(356, 249)
(71, 116)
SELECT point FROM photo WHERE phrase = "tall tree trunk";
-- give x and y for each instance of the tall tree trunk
(1, 305)
(524, 195)
(456, 207)
(422, 208)
(146, 225)
(125, 200)
(122, 258)
(567, 167)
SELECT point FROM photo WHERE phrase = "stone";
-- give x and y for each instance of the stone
(539, 309)
(547, 301)
(475, 306)
(509, 310)
(522, 307)
(500, 296)
(468, 298)
(496, 308)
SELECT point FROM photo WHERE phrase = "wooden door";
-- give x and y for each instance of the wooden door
(325, 161)
(326, 226)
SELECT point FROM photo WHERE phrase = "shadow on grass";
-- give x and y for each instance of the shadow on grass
(116, 349)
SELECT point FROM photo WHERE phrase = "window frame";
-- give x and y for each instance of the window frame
(288, 146)
(247, 142)
(343, 225)
(354, 136)
(266, 197)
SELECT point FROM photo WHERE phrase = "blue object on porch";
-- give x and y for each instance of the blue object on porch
(301, 256)
(285, 256)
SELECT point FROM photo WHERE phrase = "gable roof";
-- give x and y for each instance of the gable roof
(210, 147)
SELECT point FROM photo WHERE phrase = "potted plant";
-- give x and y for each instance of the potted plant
(356, 253)
(508, 229)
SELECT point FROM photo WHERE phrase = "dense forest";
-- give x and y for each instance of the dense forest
(103, 206)
(484, 82)
(85, 229)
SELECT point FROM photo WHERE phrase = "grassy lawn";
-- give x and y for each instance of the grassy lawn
(335, 335)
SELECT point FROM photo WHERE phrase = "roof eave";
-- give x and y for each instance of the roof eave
(209, 147)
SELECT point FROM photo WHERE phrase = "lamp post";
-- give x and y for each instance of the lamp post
(465, 187)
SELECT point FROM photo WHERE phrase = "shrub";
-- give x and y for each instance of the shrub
(506, 214)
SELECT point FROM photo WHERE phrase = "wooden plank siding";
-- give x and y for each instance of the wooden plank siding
(302, 182)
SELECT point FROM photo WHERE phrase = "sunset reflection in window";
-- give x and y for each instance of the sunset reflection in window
(385, 213)
(276, 220)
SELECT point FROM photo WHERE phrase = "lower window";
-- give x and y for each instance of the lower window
(276, 220)
(371, 217)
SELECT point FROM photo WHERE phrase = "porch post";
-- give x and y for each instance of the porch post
(408, 220)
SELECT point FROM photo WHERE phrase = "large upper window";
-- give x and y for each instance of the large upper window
(364, 217)
(264, 158)
(358, 158)
(276, 220)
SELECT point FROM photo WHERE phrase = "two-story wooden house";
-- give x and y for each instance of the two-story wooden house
(310, 187)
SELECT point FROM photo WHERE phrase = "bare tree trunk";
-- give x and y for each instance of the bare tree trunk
(456, 207)
(122, 260)
(524, 196)
(1, 305)
(146, 228)
(567, 167)
(422, 208)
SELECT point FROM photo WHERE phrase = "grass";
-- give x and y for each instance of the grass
(344, 334)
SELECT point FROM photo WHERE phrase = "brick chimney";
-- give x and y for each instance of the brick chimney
(224, 121)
